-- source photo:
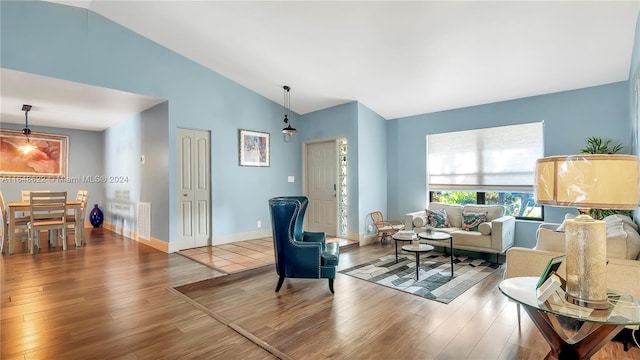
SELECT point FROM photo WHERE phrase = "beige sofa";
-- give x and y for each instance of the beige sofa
(496, 235)
(623, 253)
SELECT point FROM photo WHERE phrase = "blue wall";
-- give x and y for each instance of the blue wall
(569, 118)
(75, 44)
(373, 172)
(338, 122)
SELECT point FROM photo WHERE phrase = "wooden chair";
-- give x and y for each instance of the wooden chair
(48, 211)
(385, 227)
(77, 229)
(20, 223)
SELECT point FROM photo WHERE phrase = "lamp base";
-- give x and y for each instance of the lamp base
(591, 304)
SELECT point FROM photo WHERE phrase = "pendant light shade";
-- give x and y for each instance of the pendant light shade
(288, 130)
(27, 147)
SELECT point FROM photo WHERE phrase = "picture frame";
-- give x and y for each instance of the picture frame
(254, 148)
(46, 156)
(551, 268)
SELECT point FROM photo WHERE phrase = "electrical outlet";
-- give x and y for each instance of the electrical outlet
(259, 223)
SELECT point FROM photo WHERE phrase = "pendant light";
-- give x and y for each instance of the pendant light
(27, 147)
(287, 131)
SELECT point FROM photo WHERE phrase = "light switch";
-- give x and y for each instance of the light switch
(291, 179)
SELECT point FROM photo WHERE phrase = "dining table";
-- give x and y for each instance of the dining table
(23, 206)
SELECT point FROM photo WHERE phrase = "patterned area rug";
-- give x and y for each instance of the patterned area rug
(435, 281)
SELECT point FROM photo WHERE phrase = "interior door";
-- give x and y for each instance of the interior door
(194, 188)
(321, 179)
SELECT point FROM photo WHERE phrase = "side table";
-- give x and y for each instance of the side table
(439, 236)
(595, 327)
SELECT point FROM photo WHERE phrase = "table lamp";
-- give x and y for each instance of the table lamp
(587, 181)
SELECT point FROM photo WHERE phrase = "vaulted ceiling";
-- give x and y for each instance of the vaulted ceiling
(397, 58)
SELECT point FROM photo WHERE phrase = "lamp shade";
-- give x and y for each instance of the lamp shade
(600, 181)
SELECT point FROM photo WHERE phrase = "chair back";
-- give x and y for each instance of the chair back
(4, 211)
(24, 194)
(49, 207)
(377, 218)
(287, 217)
(83, 197)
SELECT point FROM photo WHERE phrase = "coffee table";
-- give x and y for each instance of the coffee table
(417, 250)
(404, 235)
(439, 236)
(572, 331)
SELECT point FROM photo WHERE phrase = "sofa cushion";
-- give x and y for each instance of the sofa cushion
(485, 228)
(454, 212)
(493, 211)
(471, 238)
(471, 221)
(437, 218)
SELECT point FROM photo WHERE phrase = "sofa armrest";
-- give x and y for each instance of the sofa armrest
(529, 262)
(503, 233)
(408, 219)
(548, 239)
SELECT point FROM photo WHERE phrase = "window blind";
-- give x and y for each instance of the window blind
(491, 159)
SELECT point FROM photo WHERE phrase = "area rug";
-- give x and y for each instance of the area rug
(435, 281)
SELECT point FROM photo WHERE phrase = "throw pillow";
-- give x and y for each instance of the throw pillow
(471, 221)
(437, 218)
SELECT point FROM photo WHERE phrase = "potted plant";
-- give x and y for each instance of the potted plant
(596, 145)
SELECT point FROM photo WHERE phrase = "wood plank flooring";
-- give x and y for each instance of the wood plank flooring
(113, 299)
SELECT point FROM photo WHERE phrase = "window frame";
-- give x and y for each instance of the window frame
(481, 199)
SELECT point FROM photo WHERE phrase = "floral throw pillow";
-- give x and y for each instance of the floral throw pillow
(437, 218)
(471, 221)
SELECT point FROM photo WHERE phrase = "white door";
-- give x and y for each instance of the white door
(321, 179)
(194, 188)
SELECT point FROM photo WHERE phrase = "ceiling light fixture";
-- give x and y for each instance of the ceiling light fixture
(287, 131)
(27, 147)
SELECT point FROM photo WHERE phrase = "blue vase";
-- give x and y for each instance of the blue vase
(96, 217)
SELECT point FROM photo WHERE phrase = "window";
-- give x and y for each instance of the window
(517, 204)
(487, 166)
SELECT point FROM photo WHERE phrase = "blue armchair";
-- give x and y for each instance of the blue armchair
(298, 253)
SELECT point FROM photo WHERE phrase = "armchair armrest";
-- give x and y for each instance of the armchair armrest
(310, 236)
(503, 233)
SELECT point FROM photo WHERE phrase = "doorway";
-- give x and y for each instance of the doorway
(325, 186)
(194, 188)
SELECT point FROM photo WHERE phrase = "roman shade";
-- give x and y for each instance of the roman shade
(490, 159)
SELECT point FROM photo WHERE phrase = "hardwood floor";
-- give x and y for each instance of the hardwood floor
(113, 299)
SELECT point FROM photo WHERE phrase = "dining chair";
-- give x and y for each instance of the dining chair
(19, 222)
(77, 228)
(48, 211)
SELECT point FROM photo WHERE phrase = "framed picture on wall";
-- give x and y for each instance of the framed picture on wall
(254, 148)
(39, 155)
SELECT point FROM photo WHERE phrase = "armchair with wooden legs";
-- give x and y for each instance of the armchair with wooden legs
(299, 253)
(385, 227)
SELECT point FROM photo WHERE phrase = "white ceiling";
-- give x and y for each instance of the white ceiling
(397, 58)
(66, 104)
